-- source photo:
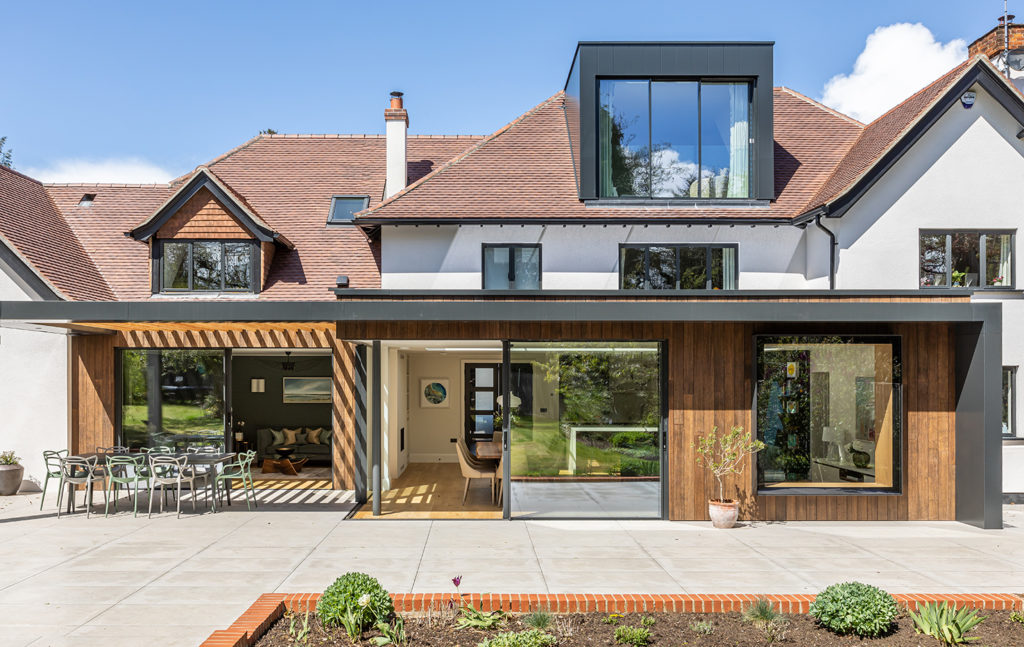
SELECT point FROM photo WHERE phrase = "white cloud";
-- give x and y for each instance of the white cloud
(897, 61)
(129, 170)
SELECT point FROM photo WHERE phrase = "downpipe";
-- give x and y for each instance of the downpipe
(833, 244)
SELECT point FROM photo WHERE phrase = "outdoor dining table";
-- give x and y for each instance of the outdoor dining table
(194, 459)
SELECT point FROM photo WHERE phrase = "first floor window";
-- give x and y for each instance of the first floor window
(1009, 401)
(511, 267)
(207, 266)
(828, 411)
(966, 259)
(678, 267)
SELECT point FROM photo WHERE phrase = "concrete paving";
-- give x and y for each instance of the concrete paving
(168, 581)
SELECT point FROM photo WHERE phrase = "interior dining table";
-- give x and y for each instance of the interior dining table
(488, 449)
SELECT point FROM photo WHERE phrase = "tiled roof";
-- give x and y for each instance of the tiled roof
(883, 133)
(31, 225)
(525, 171)
(288, 180)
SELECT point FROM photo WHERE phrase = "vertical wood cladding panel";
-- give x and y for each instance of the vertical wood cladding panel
(203, 217)
(92, 392)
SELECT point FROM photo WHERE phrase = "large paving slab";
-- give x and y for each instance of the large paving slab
(127, 580)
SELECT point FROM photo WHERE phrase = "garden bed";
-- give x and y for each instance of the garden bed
(668, 629)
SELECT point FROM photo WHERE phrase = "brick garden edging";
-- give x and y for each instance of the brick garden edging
(269, 608)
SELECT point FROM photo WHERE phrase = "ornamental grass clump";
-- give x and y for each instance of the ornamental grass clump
(528, 638)
(855, 608)
(772, 623)
(357, 602)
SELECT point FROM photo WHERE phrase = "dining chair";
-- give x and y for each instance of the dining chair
(241, 470)
(123, 470)
(473, 469)
(77, 470)
(52, 460)
(115, 449)
(499, 477)
(172, 470)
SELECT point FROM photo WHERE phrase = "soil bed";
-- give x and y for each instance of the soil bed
(668, 630)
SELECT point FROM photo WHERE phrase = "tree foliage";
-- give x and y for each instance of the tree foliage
(6, 154)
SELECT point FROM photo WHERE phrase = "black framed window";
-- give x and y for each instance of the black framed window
(1010, 402)
(977, 259)
(675, 138)
(344, 208)
(206, 266)
(828, 409)
(511, 267)
(678, 267)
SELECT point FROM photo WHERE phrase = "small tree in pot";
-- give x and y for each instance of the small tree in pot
(11, 473)
(723, 455)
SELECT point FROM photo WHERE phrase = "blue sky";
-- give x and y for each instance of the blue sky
(172, 85)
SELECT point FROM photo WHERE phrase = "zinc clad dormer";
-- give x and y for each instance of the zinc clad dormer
(677, 122)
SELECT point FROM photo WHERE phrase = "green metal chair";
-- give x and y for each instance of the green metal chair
(241, 470)
(124, 470)
(52, 460)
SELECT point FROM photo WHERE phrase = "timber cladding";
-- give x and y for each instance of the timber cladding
(203, 217)
(93, 382)
(710, 383)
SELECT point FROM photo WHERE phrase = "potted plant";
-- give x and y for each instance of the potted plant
(723, 455)
(11, 473)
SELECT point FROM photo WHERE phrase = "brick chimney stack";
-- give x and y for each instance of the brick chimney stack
(396, 126)
(991, 45)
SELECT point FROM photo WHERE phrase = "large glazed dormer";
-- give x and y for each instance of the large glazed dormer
(677, 122)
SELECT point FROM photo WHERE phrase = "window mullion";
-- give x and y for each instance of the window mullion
(700, 143)
(949, 260)
(982, 278)
(650, 140)
(190, 268)
(647, 268)
(707, 268)
(511, 266)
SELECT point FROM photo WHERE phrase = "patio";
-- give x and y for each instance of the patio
(126, 580)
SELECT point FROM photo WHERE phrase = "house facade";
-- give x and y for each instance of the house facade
(667, 245)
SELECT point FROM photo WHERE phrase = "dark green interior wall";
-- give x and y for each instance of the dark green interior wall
(267, 409)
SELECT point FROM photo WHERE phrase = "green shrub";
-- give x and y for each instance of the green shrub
(946, 623)
(647, 621)
(528, 638)
(472, 618)
(855, 608)
(355, 601)
(1017, 616)
(538, 620)
(8, 458)
(635, 636)
(638, 467)
(633, 439)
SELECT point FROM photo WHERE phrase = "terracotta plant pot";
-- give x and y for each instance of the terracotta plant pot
(723, 513)
(10, 479)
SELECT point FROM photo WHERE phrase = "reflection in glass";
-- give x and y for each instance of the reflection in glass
(828, 411)
(527, 268)
(933, 260)
(515, 267)
(965, 259)
(206, 266)
(997, 259)
(237, 266)
(662, 268)
(624, 132)
(496, 268)
(631, 264)
(685, 267)
(585, 434)
(693, 266)
(724, 140)
(172, 397)
(674, 139)
(175, 266)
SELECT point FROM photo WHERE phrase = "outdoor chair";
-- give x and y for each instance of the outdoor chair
(499, 477)
(242, 470)
(76, 470)
(123, 470)
(116, 449)
(172, 470)
(473, 469)
(52, 460)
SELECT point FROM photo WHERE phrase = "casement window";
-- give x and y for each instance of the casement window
(1010, 402)
(678, 267)
(206, 266)
(975, 259)
(511, 267)
(344, 208)
(827, 408)
(674, 139)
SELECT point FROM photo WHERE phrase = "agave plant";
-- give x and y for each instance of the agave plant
(946, 623)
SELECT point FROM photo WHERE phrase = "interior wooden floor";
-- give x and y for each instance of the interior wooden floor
(434, 491)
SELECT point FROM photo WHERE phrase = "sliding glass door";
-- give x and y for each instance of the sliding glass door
(172, 398)
(586, 437)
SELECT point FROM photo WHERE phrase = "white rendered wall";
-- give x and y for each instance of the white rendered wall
(576, 257)
(33, 393)
(964, 173)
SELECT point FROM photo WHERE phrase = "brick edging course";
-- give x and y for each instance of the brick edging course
(258, 618)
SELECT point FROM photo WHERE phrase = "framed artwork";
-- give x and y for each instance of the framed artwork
(306, 390)
(434, 393)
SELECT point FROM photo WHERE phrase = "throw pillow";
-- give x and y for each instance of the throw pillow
(276, 437)
(313, 435)
(291, 436)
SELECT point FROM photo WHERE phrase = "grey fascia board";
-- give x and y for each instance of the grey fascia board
(308, 311)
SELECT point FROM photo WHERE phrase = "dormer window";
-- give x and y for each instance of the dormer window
(87, 200)
(344, 208)
(207, 266)
(674, 138)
